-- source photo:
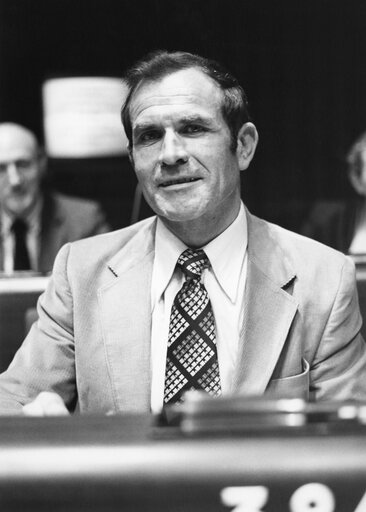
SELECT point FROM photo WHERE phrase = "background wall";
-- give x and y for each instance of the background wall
(303, 65)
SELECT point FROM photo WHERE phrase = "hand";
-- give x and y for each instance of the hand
(46, 404)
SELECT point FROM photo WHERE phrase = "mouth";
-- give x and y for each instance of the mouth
(178, 181)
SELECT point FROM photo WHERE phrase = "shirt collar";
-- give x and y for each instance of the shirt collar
(226, 254)
(168, 248)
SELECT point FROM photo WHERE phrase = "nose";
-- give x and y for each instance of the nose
(14, 175)
(173, 150)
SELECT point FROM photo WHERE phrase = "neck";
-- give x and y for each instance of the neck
(197, 233)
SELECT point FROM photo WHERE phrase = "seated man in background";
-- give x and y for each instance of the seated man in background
(203, 295)
(34, 222)
(342, 224)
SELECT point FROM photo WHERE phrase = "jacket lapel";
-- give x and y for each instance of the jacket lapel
(268, 309)
(126, 321)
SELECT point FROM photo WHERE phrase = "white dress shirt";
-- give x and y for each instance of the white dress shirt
(33, 220)
(225, 283)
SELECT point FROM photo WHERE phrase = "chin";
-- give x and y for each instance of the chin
(18, 207)
(179, 216)
(180, 213)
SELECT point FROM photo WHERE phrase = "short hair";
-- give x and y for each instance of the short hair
(161, 63)
(353, 156)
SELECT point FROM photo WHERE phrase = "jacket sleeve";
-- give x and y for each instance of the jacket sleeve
(338, 371)
(45, 361)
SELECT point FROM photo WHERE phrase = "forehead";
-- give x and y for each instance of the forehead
(186, 90)
(15, 143)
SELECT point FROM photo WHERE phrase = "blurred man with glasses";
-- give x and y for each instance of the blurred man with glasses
(35, 223)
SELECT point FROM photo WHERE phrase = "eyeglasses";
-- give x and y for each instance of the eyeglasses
(23, 164)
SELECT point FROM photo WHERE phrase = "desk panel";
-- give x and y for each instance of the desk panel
(125, 463)
(17, 295)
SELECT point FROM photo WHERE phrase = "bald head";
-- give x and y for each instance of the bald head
(21, 169)
(16, 136)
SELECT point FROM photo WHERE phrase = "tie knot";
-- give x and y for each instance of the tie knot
(193, 262)
(19, 226)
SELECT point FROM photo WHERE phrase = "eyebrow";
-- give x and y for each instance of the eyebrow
(141, 127)
(194, 118)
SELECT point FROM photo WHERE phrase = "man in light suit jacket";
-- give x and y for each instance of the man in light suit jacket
(51, 219)
(287, 321)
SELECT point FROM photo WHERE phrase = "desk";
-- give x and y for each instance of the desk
(125, 463)
(17, 295)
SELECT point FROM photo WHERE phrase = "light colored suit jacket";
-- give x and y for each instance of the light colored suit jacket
(300, 336)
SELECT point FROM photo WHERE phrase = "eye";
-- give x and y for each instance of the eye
(148, 136)
(192, 129)
(23, 164)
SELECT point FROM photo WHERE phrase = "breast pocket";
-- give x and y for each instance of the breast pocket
(296, 386)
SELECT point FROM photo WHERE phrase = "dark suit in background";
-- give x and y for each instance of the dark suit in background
(66, 219)
(333, 222)
(336, 223)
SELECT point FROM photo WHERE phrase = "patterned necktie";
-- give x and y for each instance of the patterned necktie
(192, 354)
(21, 255)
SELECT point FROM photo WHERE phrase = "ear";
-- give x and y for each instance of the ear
(42, 162)
(357, 182)
(246, 145)
(130, 155)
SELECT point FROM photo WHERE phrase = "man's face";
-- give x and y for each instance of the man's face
(20, 170)
(181, 149)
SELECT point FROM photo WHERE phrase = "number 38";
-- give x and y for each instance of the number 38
(313, 497)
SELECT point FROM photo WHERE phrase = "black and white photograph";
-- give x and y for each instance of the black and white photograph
(182, 256)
